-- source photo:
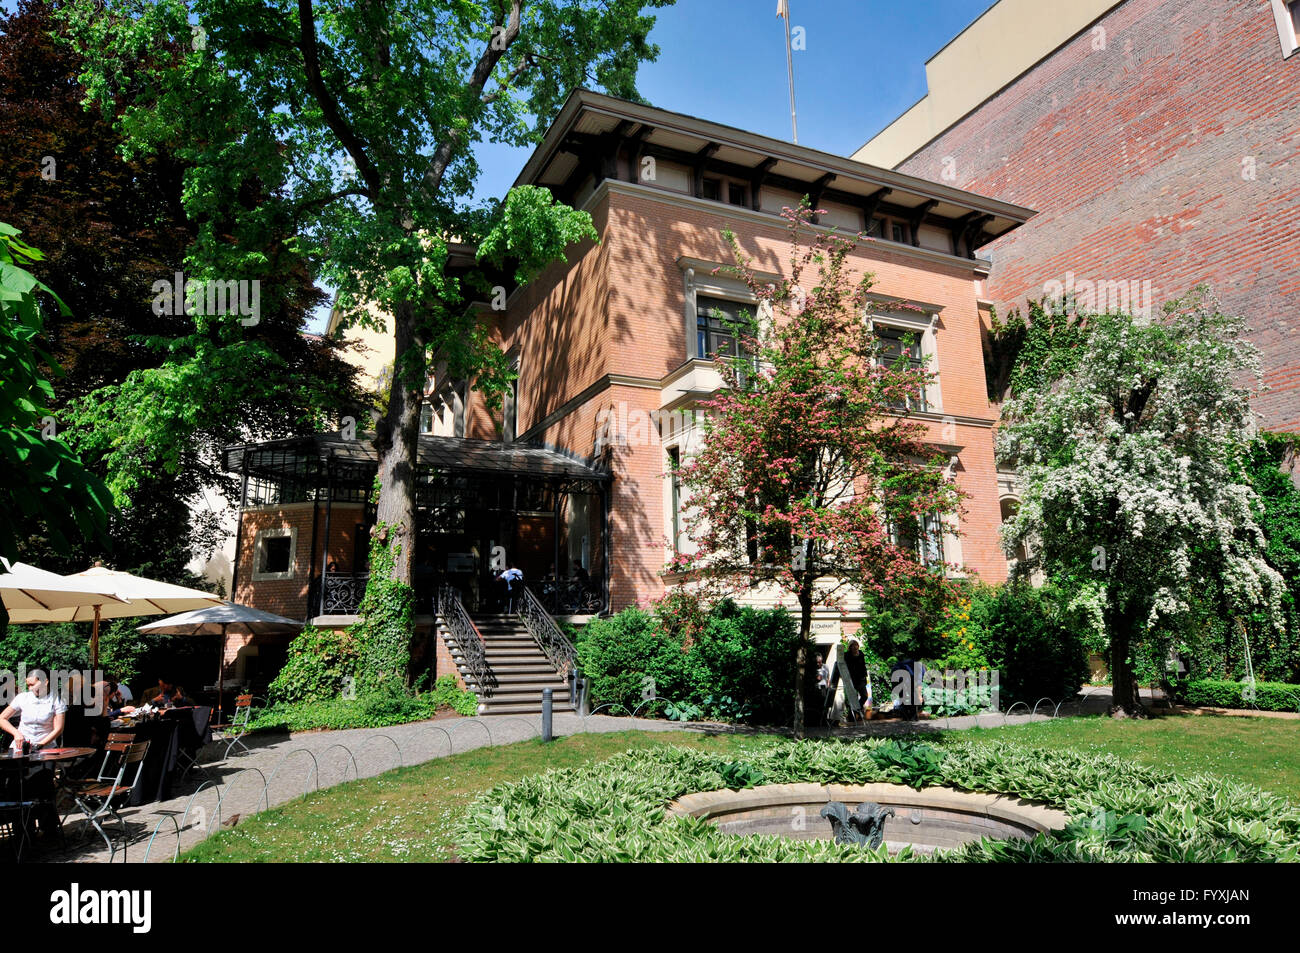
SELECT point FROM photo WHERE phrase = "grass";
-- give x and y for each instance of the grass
(1264, 752)
(408, 814)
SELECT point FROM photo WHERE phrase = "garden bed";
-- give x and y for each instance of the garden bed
(1117, 810)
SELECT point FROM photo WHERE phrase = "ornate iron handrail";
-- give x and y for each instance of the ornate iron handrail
(343, 592)
(558, 649)
(567, 597)
(468, 638)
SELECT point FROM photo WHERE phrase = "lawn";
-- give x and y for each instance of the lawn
(408, 814)
(1264, 752)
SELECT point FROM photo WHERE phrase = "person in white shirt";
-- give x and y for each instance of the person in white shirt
(41, 714)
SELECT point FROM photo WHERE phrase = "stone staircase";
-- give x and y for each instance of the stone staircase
(521, 669)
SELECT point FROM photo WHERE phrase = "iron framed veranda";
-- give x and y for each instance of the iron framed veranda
(479, 503)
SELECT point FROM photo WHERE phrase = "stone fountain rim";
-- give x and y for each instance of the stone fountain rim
(716, 805)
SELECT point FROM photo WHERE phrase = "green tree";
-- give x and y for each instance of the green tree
(146, 399)
(363, 116)
(1128, 453)
(43, 478)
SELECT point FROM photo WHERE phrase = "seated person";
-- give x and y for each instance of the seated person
(166, 695)
(41, 714)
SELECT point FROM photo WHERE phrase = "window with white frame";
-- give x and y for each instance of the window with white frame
(1286, 13)
(275, 553)
(923, 536)
(510, 411)
(909, 333)
(899, 345)
(716, 324)
(675, 499)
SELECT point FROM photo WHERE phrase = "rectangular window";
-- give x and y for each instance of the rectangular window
(426, 418)
(715, 326)
(675, 461)
(923, 535)
(276, 554)
(898, 233)
(510, 411)
(273, 553)
(1295, 18)
(895, 345)
(736, 194)
(711, 189)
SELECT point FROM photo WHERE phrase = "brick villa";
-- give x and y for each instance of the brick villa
(571, 474)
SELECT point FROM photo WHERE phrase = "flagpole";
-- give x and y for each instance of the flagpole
(783, 10)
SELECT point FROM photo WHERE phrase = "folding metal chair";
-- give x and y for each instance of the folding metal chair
(100, 798)
(15, 808)
(234, 730)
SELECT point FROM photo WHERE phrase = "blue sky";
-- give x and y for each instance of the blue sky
(724, 60)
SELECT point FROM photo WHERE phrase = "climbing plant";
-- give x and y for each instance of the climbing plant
(387, 621)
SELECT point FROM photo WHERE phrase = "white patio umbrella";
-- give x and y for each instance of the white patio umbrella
(27, 590)
(146, 597)
(218, 620)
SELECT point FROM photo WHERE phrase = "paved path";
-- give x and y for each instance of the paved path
(281, 767)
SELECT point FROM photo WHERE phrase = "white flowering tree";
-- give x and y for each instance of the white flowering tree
(1132, 490)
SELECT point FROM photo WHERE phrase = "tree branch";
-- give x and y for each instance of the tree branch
(355, 147)
(487, 62)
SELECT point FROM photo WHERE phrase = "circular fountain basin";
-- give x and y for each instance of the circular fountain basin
(926, 820)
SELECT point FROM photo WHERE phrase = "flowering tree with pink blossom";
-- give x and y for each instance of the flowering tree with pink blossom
(810, 474)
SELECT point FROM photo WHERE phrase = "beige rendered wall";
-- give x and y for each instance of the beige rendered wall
(1006, 40)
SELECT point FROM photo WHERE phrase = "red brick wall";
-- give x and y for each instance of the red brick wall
(288, 597)
(1133, 156)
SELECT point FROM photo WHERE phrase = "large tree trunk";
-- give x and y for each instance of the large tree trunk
(1125, 701)
(397, 440)
(801, 659)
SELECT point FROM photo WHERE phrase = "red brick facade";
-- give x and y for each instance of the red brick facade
(1171, 155)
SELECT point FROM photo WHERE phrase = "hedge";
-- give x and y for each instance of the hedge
(1223, 693)
(614, 811)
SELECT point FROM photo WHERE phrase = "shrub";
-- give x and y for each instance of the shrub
(319, 663)
(620, 653)
(1026, 637)
(747, 655)
(373, 710)
(447, 693)
(1221, 693)
(738, 666)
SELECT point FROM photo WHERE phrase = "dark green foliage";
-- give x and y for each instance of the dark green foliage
(1023, 632)
(738, 775)
(748, 655)
(319, 663)
(387, 621)
(620, 653)
(63, 646)
(909, 762)
(738, 667)
(1028, 639)
(375, 710)
(1220, 693)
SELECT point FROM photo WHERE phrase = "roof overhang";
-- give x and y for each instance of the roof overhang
(587, 113)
